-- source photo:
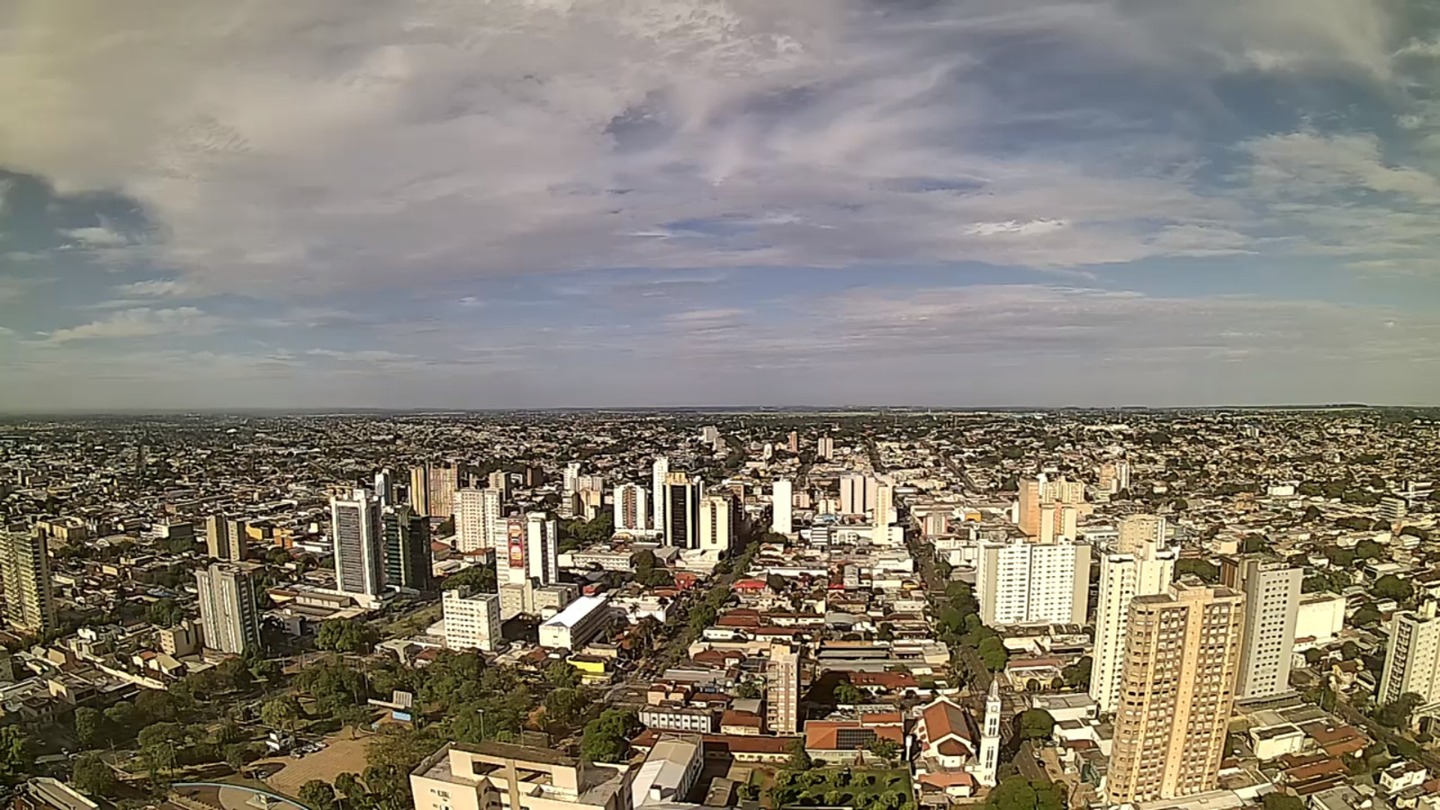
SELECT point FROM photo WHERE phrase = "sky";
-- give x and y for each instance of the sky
(591, 203)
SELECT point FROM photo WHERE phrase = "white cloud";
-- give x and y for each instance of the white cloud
(99, 237)
(155, 288)
(140, 322)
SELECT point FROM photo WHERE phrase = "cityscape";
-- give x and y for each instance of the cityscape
(887, 609)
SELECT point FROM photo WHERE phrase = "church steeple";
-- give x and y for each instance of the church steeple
(989, 764)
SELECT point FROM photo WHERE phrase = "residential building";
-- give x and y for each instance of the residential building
(858, 494)
(569, 486)
(499, 481)
(1412, 659)
(1182, 655)
(717, 529)
(792, 442)
(355, 528)
(631, 508)
(477, 517)
(225, 539)
(781, 504)
(542, 549)
(884, 506)
(658, 473)
(782, 690)
(1114, 476)
(25, 574)
(1042, 491)
(433, 487)
(1267, 642)
(575, 626)
(1147, 570)
(1392, 509)
(1022, 582)
(385, 487)
(494, 775)
(825, 448)
(472, 621)
(1134, 532)
(682, 510)
(230, 617)
(408, 564)
(669, 772)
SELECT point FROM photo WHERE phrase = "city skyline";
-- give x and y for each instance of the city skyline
(1049, 203)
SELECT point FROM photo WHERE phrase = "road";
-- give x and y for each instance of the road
(954, 466)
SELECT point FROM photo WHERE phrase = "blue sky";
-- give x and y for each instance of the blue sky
(567, 203)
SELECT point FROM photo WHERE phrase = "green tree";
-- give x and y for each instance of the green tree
(846, 694)
(1036, 724)
(560, 675)
(345, 636)
(281, 713)
(993, 653)
(799, 757)
(1396, 714)
(236, 756)
(164, 613)
(159, 744)
(1350, 650)
(89, 726)
(94, 778)
(886, 749)
(748, 690)
(1019, 793)
(16, 751)
(1392, 587)
(566, 706)
(1365, 616)
(317, 795)
(1077, 675)
(1206, 571)
(606, 738)
(1282, 801)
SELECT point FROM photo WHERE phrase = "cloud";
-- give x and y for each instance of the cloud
(155, 288)
(140, 322)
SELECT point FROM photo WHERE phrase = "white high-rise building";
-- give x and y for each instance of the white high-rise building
(825, 448)
(359, 555)
(988, 767)
(542, 554)
(570, 484)
(1267, 639)
(477, 519)
(229, 607)
(858, 494)
(716, 530)
(1033, 583)
(631, 513)
(1133, 532)
(658, 473)
(781, 500)
(1146, 571)
(1412, 659)
(385, 487)
(471, 622)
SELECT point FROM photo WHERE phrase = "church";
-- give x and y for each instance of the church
(955, 755)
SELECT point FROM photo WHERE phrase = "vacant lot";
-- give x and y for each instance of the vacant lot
(340, 754)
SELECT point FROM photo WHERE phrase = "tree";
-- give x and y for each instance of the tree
(89, 726)
(1019, 793)
(1366, 615)
(944, 569)
(748, 690)
(846, 694)
(1396, 714)
(236, 755)
(94, 778)
(1036, 724)
(1206, 571)
(349, 785)
(606, 738)
(1350, 650)
(16, 753)
(1077, 675)
(884, 748)
(280, 712)
(1312, 657)
(346, 636)
(159, 743)
(993, 653)
(560, 675)
(799, 757)
(1368, 549)
(164, 613)
(1282, 801)
(317, 795)
(566, 706)
(477, 578)
(1392, 587)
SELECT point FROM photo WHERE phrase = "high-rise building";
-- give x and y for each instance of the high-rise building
(1041, 491)
(226, 539)
(355, 527)
(25, 574)
(717, 529)
(1032, 583)
(1145, 571)
(884, 507)
(987, 770)
(385, 487)
(477, 518)
(782, 690)
(229, 607)
(432, 488)
(499, 480)
(858, 493)
(682, 510)
(825, 448)
(472, 621)
(1114, 476)
(781, 501)
(1133, 532)
(792, 443)
(658, 474)
(1272, 601)
(1392, 509)
(570, 484)
(631, 508)
(419, 489)
(1182, 653)
(542, 549)
(1412, 659)
(408, 564)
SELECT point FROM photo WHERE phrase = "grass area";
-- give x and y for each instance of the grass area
(864, 789)
(413, 623)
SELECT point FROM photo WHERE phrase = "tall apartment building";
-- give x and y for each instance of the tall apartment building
(1145, 571)
(1412, 659)
(433, 487)
(355, 528)
(1133, 532)
(858, 493)
(25, 574)
(781, 501)
(477, 519)
(1114, 476)
(1042, 491)
(499, 480)
(717, 529)
(792, 442)
(226, 539)
(532, 551)
(472, 621)
(1272, 601)
(385, 487)
(658, 473)
(884, 506)
(682, 510)
(1033, 583)
(631, 508)
(408, 562)
(229, 599)
(782, 690)
(825, 448)
(1182, 654)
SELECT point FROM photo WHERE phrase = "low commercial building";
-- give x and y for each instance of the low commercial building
(517, 777)
(581, 621)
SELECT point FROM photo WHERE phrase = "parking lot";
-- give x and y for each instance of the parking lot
(341, 754)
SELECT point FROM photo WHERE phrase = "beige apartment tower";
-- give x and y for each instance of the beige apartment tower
(1182, 655)
(782, 691)
(226, 539)
(25, 573)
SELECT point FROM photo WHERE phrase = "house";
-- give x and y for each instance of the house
(1402, 775)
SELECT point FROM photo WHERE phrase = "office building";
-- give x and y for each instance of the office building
(355, 527)
(717, 529)
(576, 625)
(781, 502)
(1412, 659)
(825, 448)
(682, 510)
(658, 473)
(494, 775)
(229, 599)
(858, 494)
(1182, 655)
(782, 690)
(1146, 571)
(569, 485)
(631, 508)
(1133, 532)
(433, 487)
(472, 621)
(1032, 583)
(408, 564)
(226, 539)
(477, 519)
(1042, 491)
(25, 574)
(1267, 640)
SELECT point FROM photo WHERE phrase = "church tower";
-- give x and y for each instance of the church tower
(989, 763)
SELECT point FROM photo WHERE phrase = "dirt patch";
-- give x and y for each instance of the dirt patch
(340, 754)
